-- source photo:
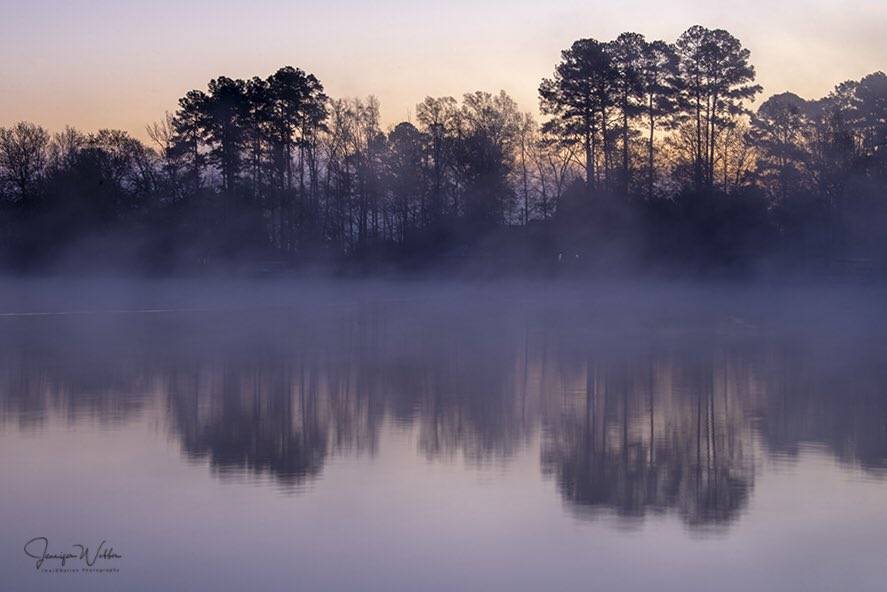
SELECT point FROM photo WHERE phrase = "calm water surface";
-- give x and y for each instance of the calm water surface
(405, 439)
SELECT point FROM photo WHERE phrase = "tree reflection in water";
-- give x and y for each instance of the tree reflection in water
(628, 422)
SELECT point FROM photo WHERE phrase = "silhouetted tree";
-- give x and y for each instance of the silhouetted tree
(162, 134)
(437, 118)
(578, 98)
(484, 150)
(406, 180)
(778, 130)
(270, 168)
(870, 118)
(189, 124)
(526, 131)
(225, 113)
(627, 54)
(24, 151)
(716, 81)
(555, 167)
(659, 85)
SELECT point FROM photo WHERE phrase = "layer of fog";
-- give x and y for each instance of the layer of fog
(599, 305)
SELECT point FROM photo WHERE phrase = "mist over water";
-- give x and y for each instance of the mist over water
(627, 336)
(340, 435)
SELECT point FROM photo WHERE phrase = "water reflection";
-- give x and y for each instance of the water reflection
(655, 434)
(244, 418)
(630, 421)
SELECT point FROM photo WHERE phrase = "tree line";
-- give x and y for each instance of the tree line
(648, 154)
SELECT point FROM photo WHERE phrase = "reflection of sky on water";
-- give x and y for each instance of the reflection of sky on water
(464, 440)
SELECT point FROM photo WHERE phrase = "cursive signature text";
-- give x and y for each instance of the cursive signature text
(38, 549)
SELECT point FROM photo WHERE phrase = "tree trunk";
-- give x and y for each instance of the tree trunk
(650, 152)
(589, 155)
(625, 159)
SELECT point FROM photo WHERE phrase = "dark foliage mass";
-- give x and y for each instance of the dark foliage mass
(649, 159)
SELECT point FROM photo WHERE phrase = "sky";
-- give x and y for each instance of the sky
(123, 63)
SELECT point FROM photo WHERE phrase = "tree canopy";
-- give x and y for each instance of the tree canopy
(648, 151)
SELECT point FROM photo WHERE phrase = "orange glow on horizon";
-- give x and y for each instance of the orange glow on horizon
(112, 66)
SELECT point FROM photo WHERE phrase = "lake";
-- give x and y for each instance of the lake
(343, 436)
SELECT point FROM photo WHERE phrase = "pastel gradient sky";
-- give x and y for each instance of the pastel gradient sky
(121, 64)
